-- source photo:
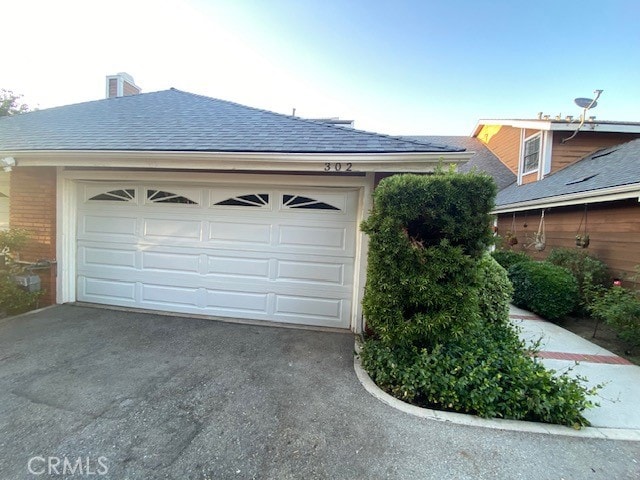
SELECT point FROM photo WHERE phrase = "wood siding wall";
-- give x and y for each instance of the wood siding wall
(504, 142)
(530, 177)
(128, 89)
(614, 232)
(583, 144)
(33, 208)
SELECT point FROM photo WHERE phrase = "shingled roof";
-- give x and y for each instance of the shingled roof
(483, 160)
(608, 168)
(173, 120)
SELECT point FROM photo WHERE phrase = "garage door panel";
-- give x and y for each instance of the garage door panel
(99, 226)
(239, 267)
(240, 233)
(92, 289)
(314, 272)
(294, 305)
(237, 301)
(163, 230)
(292, 264)
(169, 295)
(170, 262)
(327, 238)
(107, 257)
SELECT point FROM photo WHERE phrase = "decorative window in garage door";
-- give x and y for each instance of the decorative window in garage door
(124, 195)
(251, 200)
(297, 201)
(162, 196)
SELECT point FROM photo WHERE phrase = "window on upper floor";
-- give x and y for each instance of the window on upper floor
(531, 160)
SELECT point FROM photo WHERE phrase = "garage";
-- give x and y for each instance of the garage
(281, 254)
(178, 202)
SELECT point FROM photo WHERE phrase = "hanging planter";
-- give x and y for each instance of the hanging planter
(582, 241)
(539, 239)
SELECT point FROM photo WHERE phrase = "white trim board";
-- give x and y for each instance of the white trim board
(247, 161)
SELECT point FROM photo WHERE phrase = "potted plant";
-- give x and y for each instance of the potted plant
(582, 241)
(511, 238)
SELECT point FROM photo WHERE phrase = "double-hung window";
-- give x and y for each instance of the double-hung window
(531, 160)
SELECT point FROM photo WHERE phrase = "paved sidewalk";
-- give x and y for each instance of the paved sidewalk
(561, 349)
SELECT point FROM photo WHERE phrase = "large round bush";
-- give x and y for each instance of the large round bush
(544, 288)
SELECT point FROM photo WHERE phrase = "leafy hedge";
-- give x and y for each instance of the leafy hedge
(486, 374)
(619, 308)
(437, 307)
(590, 272)
(507, 258)
(544, 288)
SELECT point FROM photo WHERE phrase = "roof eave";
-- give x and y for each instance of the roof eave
(257, 161)
(622, 192)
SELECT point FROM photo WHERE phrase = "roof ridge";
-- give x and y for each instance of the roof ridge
(308, 120)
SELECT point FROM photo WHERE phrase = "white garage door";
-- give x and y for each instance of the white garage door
(284, 254)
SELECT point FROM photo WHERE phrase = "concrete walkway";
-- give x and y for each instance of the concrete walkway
(561, 349)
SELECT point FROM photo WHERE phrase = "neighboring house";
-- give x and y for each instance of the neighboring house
(586, 184)
(183, 203)
(483, 160)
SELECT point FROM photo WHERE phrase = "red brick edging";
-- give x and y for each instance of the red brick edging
(585, 357)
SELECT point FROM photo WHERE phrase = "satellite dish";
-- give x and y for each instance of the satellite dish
(586, 102)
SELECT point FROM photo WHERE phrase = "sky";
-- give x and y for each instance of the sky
(396, 67)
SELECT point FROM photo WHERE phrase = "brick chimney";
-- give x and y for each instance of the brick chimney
(121, 85)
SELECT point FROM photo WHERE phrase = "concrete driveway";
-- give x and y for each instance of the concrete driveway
(146, 396)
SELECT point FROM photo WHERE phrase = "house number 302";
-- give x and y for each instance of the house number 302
(337, 167)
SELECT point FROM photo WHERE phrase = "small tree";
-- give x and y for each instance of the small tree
(10, 103)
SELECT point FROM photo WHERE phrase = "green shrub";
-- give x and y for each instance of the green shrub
(619, 308)
(437, 307)
(14, 300)
(544, 288)
(506, 258)
(431, 208)
(487, 374)
(426, 233)
(13, 239)
(495, 290)
(590, 272)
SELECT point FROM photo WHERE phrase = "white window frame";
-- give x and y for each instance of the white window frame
(524, 151)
